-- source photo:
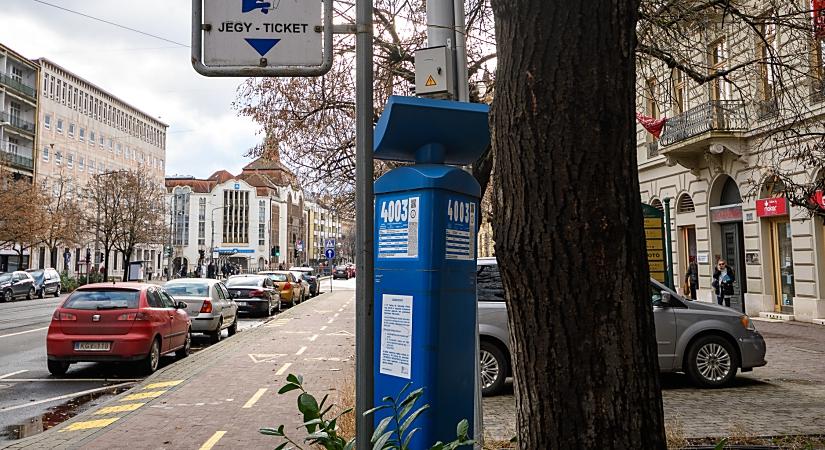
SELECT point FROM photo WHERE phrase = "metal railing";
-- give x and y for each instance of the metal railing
(17, 161)
(715, 115)
(21, 87)
(16, 122)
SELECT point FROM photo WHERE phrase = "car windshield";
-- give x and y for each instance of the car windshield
(277, 276)
(187, 289)
(5, 277)
(243, 281)
(103, 299)
(37, 275)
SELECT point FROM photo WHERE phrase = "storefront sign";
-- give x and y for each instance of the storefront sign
(771, 207)
(731, 213)
(819, 199)
(752, 258)
(655, 242)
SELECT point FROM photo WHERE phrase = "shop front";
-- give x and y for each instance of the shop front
(775, 212)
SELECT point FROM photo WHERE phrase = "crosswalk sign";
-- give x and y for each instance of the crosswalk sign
(329, 243)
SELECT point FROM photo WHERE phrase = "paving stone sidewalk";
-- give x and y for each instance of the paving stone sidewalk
(220, 397)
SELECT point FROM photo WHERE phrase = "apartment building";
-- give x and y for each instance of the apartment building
(322, 224)
(717, 161)
(84, 132)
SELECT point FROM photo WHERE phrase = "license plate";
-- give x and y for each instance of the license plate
(241, 303)
(92, 346)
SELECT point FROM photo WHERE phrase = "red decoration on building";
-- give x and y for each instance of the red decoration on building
(771, 207)
(818, 7)
(655, 126)
(819, 199)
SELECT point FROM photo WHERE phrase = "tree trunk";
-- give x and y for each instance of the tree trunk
(53, 256)
(107, 250)
(126, 258)
(569, 226)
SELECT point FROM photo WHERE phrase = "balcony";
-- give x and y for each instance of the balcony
(17, 123)
(18, 86)
(16, 161)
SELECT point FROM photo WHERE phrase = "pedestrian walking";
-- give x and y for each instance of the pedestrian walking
(723, 278)
(692, 278)
(210, 270)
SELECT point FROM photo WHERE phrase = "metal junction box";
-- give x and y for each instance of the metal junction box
(433, 72)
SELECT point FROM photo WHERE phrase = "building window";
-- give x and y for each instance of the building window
(71, 129)
(46, 153)
(70, 160)
(718, 61)
(677, 78)
(201, 221)
(236, 217)
(82, 134)
(261, 222)
(59, 125)
(766, 50)
(92, 137)
(110, 145)
(46, 84)
(58, 157)
(47, 121)
(119, 149)
(91, 166)
(81, 163)
(180, 209)
(17, 74)
(102, 141)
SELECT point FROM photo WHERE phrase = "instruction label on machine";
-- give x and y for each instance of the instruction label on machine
(398, 227)
(396, 335)
(460, 233)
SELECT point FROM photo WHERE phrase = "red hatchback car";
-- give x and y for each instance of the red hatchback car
(117, 322)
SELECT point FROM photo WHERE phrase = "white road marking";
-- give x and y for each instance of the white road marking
(255, 397)
(795, 348)
(260, 357)
(313, 337)
(12, 374)
(335, 315)
(23, 332)
(63, 397)
(301, 350)
(212, 440)
(341, 310)
(283, 369)
(330, 320)
(323, 328)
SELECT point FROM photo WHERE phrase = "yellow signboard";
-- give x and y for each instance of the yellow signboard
(658, 276)
(656, 266)
(653, 233)
(655, 255)
(655, 244)
(653, 222)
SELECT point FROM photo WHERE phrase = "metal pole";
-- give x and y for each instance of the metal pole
(668, 245)
(364, 218)
(462, 84)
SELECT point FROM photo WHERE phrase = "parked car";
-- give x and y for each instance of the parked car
(17, 284)
(340, 272)
(46, 282)
(254, 294)
(289, 287)
(305, 289)
(706, 341)
(308, 275)
(209, 305)
(117, 322)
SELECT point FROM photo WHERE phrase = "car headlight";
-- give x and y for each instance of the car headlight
(747, 322)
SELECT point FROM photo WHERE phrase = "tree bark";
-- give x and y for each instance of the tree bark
(569, 227)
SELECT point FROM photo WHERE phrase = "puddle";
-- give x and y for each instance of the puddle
(59, 414)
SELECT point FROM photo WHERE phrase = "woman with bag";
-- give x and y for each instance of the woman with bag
(723, 278)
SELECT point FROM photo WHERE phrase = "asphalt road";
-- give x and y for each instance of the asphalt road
(28, 391)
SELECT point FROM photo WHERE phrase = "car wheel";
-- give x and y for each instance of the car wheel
(712, 361)
(215, 336)
(58, 368)
(30, 294)
(41, 293)
(187, 346)
(150, 363)
(234, 327)
(493, 368)
(57, 291)
(8, 295)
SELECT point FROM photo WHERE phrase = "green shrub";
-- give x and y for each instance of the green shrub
(67, 283)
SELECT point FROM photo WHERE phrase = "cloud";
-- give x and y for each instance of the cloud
(152, 75)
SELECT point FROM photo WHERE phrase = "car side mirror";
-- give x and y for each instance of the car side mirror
(181, 305)
(667, 299)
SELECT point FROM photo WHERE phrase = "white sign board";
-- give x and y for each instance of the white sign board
(242, 32)
(396, 335)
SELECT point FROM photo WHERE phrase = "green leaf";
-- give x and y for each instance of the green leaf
(379, 430)
(437, 446)
(514, 439)
(326, 410)
(379, 443)
(318, 435)
(388, 399)
(350, 445)
(409, 420)
(308, 406)
(377, 408)
(462, 429)
(409, 438)
(311, 422)
(288, 387)
(407, 403)
(406, 386)
(282, 446)
(721, 445)
(323, 400)
(346, 411)
(272, 431)
(296, 379)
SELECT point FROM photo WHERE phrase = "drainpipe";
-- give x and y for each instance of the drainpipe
(668, 245)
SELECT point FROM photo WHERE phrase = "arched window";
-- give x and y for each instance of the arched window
(685, 204)
(730, 193)
(656, 203)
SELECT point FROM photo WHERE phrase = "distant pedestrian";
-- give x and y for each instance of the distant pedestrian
(692, 278)
(210, 270)
(281, 266)
(723, 278)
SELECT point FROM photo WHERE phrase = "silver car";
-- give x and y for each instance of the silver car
(208, 304)
(706, 341)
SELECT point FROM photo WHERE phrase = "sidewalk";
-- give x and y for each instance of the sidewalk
(225, 393)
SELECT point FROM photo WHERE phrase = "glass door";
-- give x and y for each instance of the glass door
(733, 253)
(782, 251)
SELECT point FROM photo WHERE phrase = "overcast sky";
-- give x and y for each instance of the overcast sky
(155, 76)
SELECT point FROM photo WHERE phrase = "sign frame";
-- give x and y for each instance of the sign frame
(198, 28)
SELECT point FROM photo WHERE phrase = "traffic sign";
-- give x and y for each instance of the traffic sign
(329, 243)
(329, 253)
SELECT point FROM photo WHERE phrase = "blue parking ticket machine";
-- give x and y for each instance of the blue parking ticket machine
(426, 220)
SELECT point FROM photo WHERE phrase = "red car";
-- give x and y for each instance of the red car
(117, 322)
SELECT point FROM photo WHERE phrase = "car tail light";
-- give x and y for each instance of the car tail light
(206, 307)
(58, 315)
(257, 293)
(287, 286)
(133, 316)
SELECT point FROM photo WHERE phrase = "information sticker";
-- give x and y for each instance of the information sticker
(398, 227)
(396, 335)
(460, 233)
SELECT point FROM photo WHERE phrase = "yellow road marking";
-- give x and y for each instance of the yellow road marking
(119, 408)
(213, 440)
(162, 384)
(143, 395)
(255, 397)
(283, 369)
(89, 424)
